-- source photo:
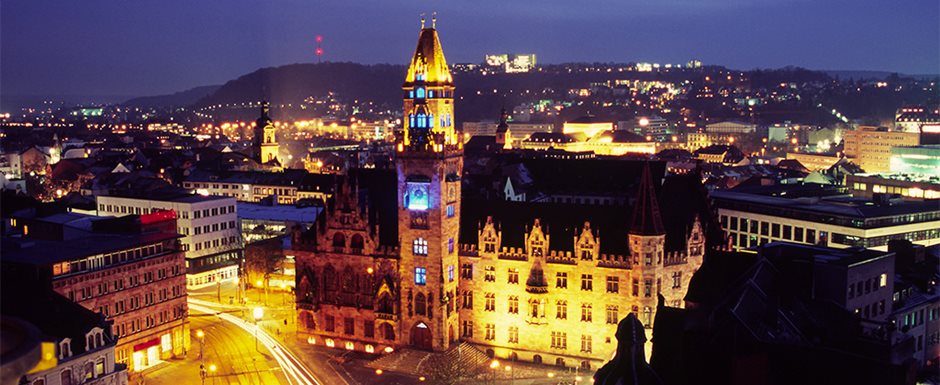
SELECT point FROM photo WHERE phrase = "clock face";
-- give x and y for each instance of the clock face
(418, 196)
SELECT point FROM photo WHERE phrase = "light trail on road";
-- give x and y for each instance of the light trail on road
(293, 368)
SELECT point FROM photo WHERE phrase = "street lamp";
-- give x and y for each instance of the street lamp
(494, 365)
(237, 289)
(258, 313)
(509, 369)
(202, 342)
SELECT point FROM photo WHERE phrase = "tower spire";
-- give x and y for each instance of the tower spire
(434, 19)
(646, 216)
(422, 20)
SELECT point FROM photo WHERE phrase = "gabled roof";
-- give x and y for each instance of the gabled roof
(560, 221)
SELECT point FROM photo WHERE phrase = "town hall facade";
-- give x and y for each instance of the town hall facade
(394, 262)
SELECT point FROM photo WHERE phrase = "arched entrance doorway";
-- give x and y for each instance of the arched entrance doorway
(421, 336)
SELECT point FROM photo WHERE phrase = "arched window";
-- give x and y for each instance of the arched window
(388, 331)
(560, 362)
(431, 121)
(307, 320)
(329, 278)
(420, 304)
(386, 305)
(306, 290)
(647, 316)
(411, 119)
(537, 359)
(339, 241)
(420, 92)
(66, 377)
(357, 242)
(349, 283)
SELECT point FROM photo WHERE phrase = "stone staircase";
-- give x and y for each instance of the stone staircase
(410, 361)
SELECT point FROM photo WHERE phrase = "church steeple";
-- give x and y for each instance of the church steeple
(264, 143)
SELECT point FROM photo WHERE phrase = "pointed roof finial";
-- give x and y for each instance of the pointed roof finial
(422, 20)
(434, 19)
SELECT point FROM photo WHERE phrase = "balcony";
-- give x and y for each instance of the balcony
(386, 316)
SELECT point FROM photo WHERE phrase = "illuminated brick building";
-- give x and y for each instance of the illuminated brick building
(421, 265)
(129, 269)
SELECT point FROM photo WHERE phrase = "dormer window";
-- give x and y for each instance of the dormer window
(65, 348)
(94, 339)
(420, 77)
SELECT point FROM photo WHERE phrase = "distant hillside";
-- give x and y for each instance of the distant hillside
(295, 82)
(182, 98)
(874, 75)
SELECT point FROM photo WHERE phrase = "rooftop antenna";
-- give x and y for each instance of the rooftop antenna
(422, 20)
(319, 50)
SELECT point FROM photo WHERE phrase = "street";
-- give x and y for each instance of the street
(229, 357)
(228, 324)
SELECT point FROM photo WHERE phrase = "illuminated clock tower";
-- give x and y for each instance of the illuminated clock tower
(429, 164)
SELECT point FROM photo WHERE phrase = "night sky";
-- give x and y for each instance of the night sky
(145, 47)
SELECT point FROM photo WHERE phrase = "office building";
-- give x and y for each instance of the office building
(816, 215)
(288, 186)
(211, 238)
(919, 160)
(871, 148)
(912, 186)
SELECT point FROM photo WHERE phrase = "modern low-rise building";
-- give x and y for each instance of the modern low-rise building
(871, 147)
(906, 185)
(923, 159)
(763, 215)
(211, 238)
(262, 221)
(859, 280)
(288, 186)
(731, 127)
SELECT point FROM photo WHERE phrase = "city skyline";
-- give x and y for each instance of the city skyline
(141, 49)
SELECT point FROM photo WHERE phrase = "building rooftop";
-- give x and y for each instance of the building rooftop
(838, 205)
(44, 252)
(838, 209)
(278, 212)
(179, 197)
(825, 255)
